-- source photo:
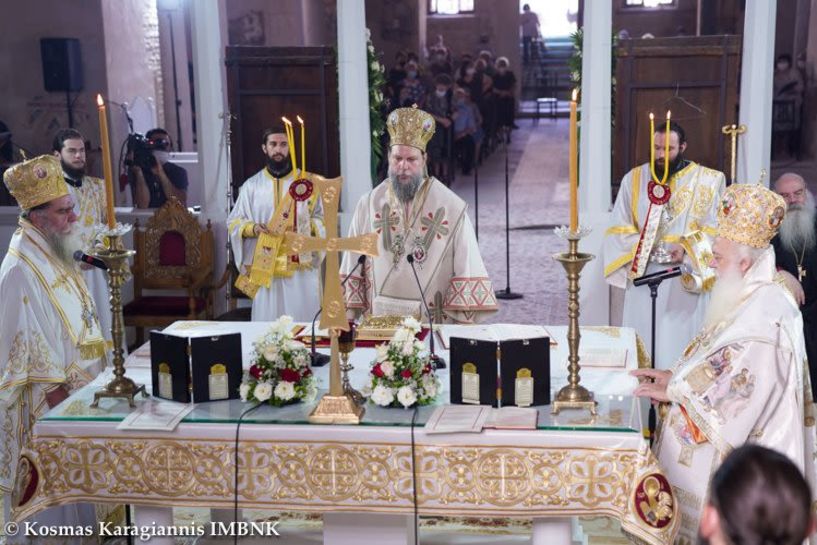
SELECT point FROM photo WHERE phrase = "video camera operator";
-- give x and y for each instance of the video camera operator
(152, 177)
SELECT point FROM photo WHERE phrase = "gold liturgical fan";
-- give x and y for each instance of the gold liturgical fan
(336, 407)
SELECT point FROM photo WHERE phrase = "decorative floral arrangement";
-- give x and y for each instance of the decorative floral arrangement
(280, 373)
(377, 119)
(402, 375)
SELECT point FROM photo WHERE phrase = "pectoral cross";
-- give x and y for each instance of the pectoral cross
(801, 273)
(733, 131)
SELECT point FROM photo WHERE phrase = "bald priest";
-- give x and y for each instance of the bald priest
(417, 218)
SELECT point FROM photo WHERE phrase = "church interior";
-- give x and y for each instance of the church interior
(377, 271)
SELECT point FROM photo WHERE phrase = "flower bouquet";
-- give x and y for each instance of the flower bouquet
(280, 373)
(402, 375)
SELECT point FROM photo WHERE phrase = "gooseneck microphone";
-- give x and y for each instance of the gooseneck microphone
(90, 260)
(319, 360)
(659, 276)
(438, 362)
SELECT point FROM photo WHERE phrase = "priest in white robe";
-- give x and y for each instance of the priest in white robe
(655, 226)
(88, 193)
(50, 338)
(743, 378)
(278, 198)
(417, 215)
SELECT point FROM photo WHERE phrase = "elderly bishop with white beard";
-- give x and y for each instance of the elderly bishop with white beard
(415, 214)
(742, 379)
(795, 248)
(50, 338)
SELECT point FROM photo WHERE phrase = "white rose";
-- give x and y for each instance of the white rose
(406, 396)
(270, 353)
(419, 345)
(282, 326)
(382, 351)
(410, 322)
(284, 390)
(382, 396)
(401, 335)
(263, 391)
(371, 50)
(408, 348)
(430, 385)
(388, 369)
(243, 390)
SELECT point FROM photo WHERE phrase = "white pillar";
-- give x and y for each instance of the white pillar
(353, 90)
(594, 158)
(757, 68)
(208, 21)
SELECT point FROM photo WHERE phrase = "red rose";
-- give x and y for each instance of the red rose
(427, 369)
(405, 373)
(377, 371)
(255, 371)
(290, 375)
(307, 373)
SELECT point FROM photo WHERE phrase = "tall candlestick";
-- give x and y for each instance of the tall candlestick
(573, 166)
(303, 144)
(290, 143)
(106, 161)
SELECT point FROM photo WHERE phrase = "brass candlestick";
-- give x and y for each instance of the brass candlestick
(573, 396)
(336, 407)
(115, 256)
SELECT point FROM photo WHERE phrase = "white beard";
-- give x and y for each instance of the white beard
(797, 230)
(65, 245)
(725, 295)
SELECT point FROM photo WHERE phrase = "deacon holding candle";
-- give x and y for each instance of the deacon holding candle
(278, 198)
(666, 207)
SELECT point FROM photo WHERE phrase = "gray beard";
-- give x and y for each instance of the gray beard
(798, 229)
(405, 191)
(64, 247)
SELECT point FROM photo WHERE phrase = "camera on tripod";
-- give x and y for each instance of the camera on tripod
(141, 149)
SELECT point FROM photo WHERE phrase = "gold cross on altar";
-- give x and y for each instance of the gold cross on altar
(334, 308)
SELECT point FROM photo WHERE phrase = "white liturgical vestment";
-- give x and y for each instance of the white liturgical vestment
(742, 380)
(695, 194)
(434, 228)
(49, 336)
(298, 294)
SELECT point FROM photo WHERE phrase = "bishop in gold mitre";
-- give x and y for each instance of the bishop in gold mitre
(50, 339)
(743, 378)
(416, 215)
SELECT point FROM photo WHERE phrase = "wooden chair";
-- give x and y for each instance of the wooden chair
(173, 252)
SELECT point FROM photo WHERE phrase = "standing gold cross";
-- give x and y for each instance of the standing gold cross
(733, 130)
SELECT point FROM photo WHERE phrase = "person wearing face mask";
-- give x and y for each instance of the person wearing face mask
(505, 92)
(649, 217)
(439, 106)
(88, 194)
(153, 186)
(413, 91)
(466, 128)
(277, 283)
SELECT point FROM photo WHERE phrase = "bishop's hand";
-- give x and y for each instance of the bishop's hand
(793, 285)
(652, 383)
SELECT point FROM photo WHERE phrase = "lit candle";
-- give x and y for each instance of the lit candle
(106, 161)
(652, 147)
(666, 151)
(303, 145)
(573, 167)
(290, 143)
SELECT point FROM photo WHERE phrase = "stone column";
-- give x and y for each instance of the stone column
(594, 157)
(209, 29)
(353, 90)
(757, 67)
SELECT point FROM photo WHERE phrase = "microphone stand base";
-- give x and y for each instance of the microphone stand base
(508, 294)
(437, 362)
(319, 360)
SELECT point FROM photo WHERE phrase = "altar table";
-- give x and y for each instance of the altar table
(573, 464)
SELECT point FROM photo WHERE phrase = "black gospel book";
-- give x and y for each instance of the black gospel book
(473, 372)
(524, 368)
(201, 369)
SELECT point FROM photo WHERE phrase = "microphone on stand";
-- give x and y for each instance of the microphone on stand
(319, 360)
(90, 260)
(658, 277)
(437, 361)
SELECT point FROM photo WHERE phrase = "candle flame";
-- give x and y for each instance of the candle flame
(301, 121)
(99, 101)
(575, 94)
(669, 114)
(285, 120)
(651, 116)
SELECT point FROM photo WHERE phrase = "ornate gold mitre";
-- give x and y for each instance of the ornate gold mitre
(750, 214)
(36, 181)
(410, 127)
